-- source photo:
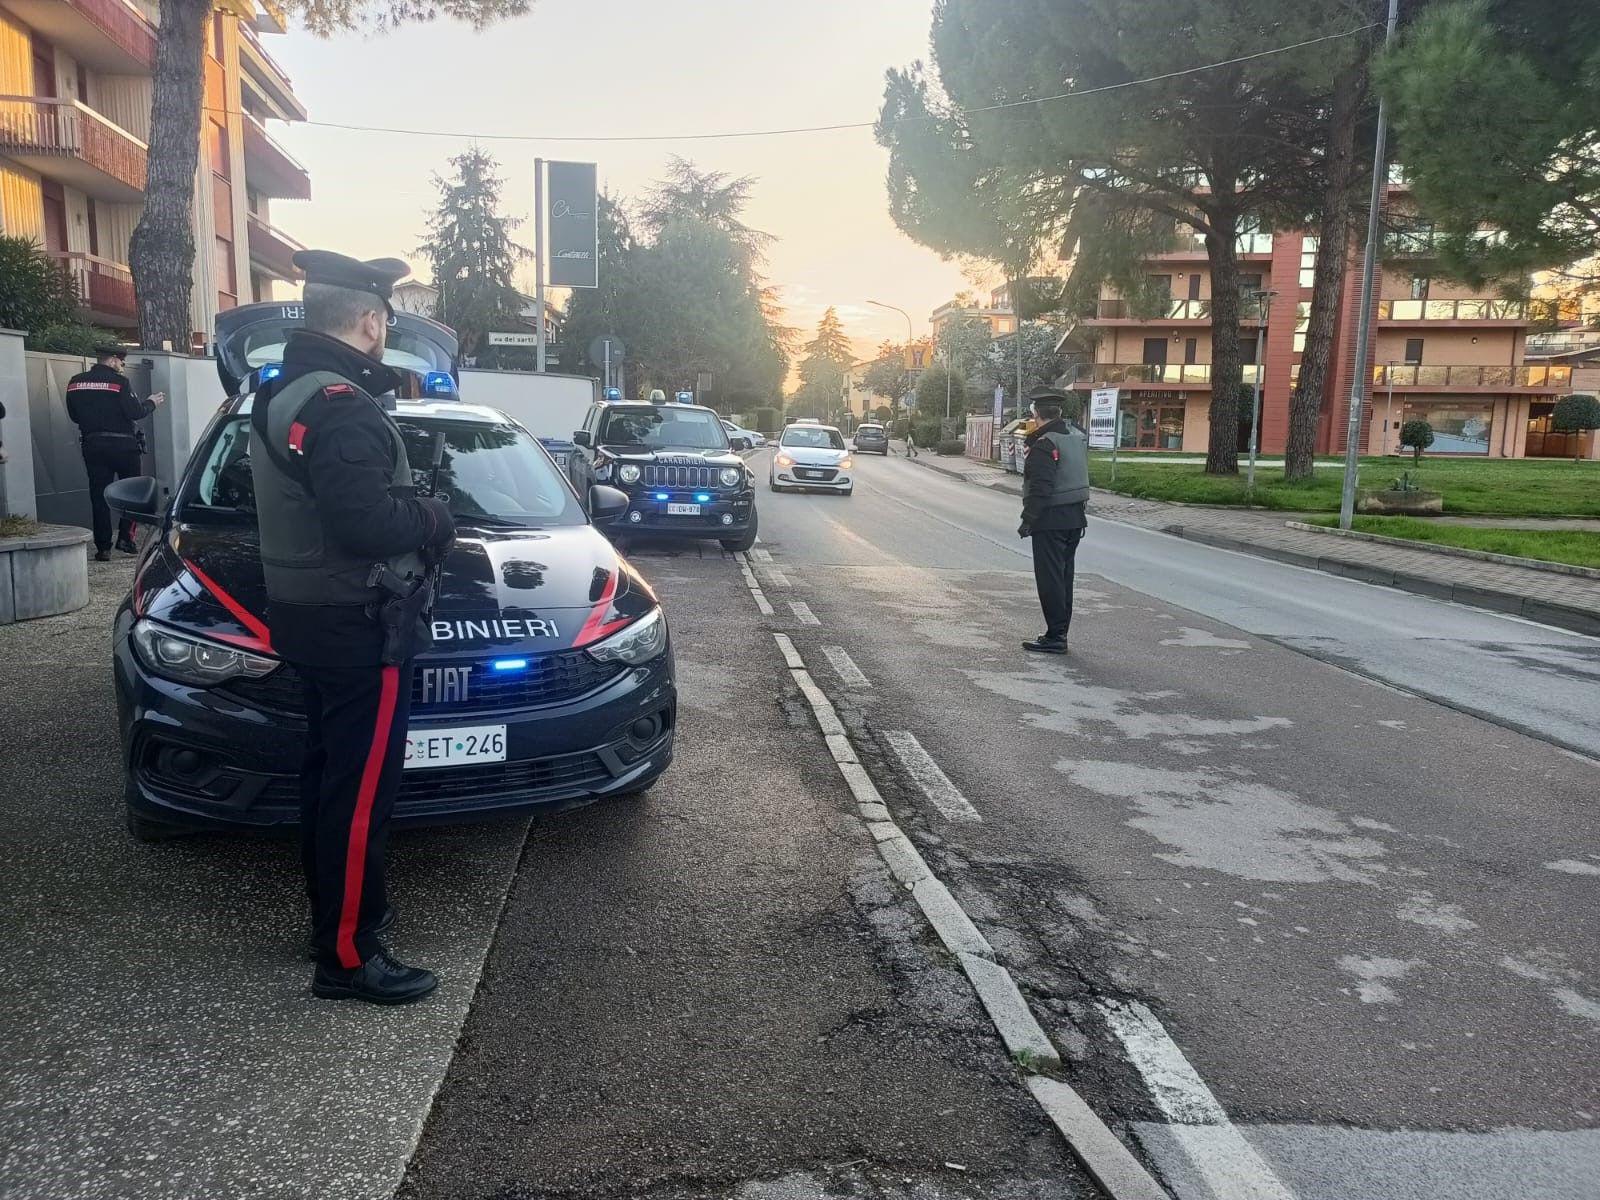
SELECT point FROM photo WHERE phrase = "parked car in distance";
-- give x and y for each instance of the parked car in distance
(741, 438)
(871, 438)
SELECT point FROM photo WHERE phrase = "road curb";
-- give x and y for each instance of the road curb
(1101, 1152)
(1509, 560)
(1546, 612)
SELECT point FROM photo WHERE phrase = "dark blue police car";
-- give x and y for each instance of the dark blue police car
(550, 683)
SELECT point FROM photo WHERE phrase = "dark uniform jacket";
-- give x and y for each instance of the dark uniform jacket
(346, 448)
(1039, 483)
(101, 401)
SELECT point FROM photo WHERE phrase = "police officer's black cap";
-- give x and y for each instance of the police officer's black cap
(1052, 395)
(108, 350)
(375, 275)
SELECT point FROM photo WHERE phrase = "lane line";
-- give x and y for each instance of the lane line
(777, 578)
(925, 773)
(803, 613)
(1091, 1141)
(845, 667)
(1230, 1165)
(762, 555)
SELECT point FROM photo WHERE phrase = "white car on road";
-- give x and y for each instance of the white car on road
(750, 436)
(811, 456)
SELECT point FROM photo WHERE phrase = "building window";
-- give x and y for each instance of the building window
(1161, 283)
(1457, 428)
(1151, 422)
(1191, 351)
(1413, 352)
(1194, 286)
(227, 275)
(1308, 262)
(1250, 282)
(216, 36)
(1302, 322)
(217, 147)
(1155, 352)
(1419, 287)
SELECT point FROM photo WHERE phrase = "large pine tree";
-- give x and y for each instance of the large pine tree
(823, 363)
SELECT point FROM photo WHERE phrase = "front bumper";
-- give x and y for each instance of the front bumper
(841, 481)
(202, 758)
(721, 515)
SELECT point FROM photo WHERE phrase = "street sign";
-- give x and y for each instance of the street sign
(598, 349)
(574, 233)
(1103, 419)
(513, 339)
(999, 405)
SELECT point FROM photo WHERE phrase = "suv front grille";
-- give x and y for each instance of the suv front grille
(656, 475)
(549, 679)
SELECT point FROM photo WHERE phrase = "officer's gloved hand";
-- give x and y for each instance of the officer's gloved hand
(1023, 530)
(444, 527)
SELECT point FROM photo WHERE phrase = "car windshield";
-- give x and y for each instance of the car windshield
(869, 430)
(813, 437)
(663, 427)
(491, 474)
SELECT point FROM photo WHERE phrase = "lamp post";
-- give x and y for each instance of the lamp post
(1388, 412)
(1263, 301)
(911, 335)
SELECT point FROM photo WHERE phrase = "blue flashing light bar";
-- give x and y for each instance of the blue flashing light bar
(509, 664)
(613, 393)
(270, 371)
(663, 496)
(439, 383)
(703, 497)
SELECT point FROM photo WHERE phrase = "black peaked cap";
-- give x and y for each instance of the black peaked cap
(375, 275)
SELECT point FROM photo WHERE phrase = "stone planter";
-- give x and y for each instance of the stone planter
(43, 574)
(1400, 504)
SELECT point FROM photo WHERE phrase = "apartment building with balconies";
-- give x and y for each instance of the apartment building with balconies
(1441, 352)
(75, 89)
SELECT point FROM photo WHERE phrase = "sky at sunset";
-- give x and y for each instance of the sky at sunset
(591, 68)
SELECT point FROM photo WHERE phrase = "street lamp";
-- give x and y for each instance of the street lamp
(910, 333)
(1263, 299)
(1388, 414)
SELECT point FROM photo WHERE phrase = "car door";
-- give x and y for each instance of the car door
(581, 468)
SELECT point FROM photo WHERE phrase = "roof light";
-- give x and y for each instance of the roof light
(439, 383)
(270, 371)
(509, 664)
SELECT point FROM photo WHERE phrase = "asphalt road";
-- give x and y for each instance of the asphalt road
(1365, 916)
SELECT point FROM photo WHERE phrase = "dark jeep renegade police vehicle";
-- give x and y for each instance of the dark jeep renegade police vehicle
(681, 475)
(550, 682)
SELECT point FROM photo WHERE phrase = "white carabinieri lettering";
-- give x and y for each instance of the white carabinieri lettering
(495, 629)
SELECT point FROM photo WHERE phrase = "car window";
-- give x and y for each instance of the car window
(496, 471)
(869, 430)
(663, 427)
(813, 437)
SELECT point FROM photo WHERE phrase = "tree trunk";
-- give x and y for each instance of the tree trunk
(1333, 253)
(1227, 365)
(161, 251)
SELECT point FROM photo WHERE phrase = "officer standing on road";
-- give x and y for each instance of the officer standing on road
(346, 547)
(102, 404)
(1055, 488)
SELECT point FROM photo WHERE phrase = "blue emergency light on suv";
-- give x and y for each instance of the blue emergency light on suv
(682, 477)
(550, 682)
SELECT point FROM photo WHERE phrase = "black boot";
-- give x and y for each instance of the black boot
(385, 922)
(1046, 645)
(126, 545)
(379, 980)
(102, 556)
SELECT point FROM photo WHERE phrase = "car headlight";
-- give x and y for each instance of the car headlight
(640, 642)
(731, 476)
(785, 460)
(628, 473)
(185, 658)
(846, 463)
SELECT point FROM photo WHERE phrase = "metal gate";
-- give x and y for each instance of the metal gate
(60, 482)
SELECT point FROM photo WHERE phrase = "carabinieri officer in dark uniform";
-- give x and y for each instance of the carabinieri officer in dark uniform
(1055, 488)
(102, 404)
(345, 546)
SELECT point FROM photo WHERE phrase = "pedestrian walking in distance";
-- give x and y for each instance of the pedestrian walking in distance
(911, 443)
(1055, 488)
(346, 548)
(102, 404)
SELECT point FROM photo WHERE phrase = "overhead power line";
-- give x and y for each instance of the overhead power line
(833, 128)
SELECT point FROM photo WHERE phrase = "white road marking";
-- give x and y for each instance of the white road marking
(845, 667)
(777, 578)
(762, 555)
(935, 784)
(762, 603)
(803, 613)
(1229, 1164)
(791, 656)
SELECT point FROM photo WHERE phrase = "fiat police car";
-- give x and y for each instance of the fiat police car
(674, 461)
(550, 683)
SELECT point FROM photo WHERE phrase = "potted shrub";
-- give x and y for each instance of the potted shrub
(1576, 414)
(1416, 436)
(1404, 497)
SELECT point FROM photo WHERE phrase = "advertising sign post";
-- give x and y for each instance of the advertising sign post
(566, 232)
(1103, 421)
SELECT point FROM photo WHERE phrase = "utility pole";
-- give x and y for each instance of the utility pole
(538, 262)
(1263, 301)
(1358, 387)
(1388, 413)
(1016, 311)
(911, 336)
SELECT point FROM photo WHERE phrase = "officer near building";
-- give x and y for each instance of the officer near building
(103, 405)
(1055, 489)
(346, 548)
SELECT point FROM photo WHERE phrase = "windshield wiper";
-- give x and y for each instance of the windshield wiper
(491, 519)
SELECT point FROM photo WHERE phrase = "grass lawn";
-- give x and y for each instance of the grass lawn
(18, 526)
(1540, 487)
(1580, 548)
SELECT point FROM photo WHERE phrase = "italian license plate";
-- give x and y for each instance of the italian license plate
(455, 747)
(683, 510)
(810, 474)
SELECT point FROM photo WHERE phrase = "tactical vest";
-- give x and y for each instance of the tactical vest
(1072, 468)
(300, 565)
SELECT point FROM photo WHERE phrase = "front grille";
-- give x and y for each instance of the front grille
(656, 475)
(528, 779)
(815, 474)
(549, 679)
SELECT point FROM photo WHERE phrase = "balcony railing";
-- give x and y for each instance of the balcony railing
(1116, 309)
(1544, 377)
(114, 21)
(103, 287)
(1188, 242)
(1157, 374)
(270, 168)
(1452, 310)
(39, 130)
(271, 249)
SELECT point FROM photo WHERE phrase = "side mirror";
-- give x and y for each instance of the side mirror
(606, 504)
(739, 443)
(582, 438)
(137, 497)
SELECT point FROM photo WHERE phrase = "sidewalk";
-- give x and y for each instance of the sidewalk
(1569, 602)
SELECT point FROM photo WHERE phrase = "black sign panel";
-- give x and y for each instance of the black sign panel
(573, 233)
